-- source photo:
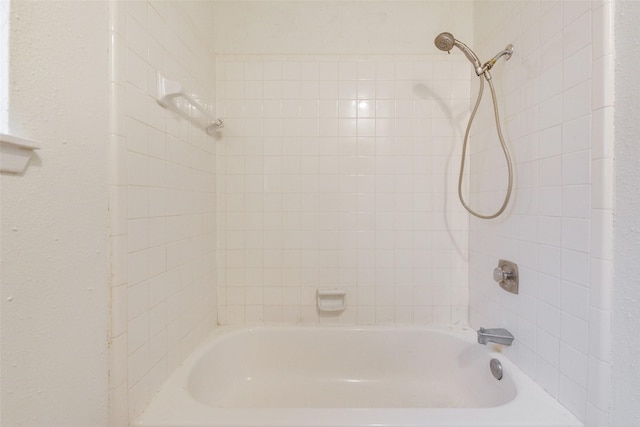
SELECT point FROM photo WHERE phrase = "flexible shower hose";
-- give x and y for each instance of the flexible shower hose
(505, 150)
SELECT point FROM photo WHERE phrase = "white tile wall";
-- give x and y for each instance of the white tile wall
(556, 99)
(162, 204)
(340, 171)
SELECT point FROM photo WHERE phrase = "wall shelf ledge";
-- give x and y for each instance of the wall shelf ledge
(15, 153)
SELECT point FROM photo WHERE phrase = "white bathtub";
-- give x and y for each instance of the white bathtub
(336, 376)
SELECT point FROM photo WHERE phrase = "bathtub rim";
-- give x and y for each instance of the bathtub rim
(174, 392)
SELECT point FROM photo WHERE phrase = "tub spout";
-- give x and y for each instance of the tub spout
(497, 335)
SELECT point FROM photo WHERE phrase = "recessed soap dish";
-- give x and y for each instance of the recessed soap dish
(330, 300)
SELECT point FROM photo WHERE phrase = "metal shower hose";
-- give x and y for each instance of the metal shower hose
(505, 150)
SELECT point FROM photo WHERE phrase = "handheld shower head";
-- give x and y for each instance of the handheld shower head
(445, 41)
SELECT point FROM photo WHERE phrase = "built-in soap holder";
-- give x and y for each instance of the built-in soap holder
(330, 300)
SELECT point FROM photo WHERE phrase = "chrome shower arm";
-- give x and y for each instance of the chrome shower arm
(508, 51)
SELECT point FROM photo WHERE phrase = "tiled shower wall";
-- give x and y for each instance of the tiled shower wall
(556, 100)
(162, 204)
(340, 172)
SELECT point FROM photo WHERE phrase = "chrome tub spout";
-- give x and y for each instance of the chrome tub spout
(497, 335)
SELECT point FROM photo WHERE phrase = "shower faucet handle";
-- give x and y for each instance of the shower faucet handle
(500, 273)
(506, 274)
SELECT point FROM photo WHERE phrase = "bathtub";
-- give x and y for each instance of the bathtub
(348, 377)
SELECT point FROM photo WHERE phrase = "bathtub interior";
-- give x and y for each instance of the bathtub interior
(350, 377)
(346, 368)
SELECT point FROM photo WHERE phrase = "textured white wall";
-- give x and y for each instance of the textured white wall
(626, 295)
(54, 268)
(557, 100)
